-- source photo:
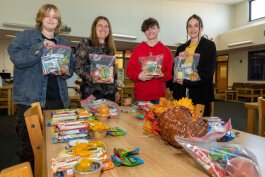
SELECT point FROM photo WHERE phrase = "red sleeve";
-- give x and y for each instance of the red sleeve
(133, 67)
(167, 65)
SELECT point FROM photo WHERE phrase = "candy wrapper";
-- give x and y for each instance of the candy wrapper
(127, 158)
(56, 60)
(116, 131)
(152, 65)
(222, 159)
(102, 68)
(185, 67)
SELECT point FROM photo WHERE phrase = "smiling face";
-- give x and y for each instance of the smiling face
(194, 28)
(102, 30)
(152, 32)
(50, 21)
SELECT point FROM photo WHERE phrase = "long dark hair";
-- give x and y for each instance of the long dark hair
(109, 39)
(198, 18)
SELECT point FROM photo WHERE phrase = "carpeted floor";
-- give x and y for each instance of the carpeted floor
(9, 141)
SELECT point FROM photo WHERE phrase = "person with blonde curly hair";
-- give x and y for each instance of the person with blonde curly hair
(30, 84)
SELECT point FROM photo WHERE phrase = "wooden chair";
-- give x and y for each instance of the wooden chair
(33, 117)
(261, 108)
(20, 170)
(199, 110)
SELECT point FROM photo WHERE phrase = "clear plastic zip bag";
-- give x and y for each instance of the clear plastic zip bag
(152, 64)
(56, 60)
(185, 67)
(102, 68)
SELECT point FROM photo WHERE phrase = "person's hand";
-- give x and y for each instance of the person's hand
(180, 81)
(48, 43)
(143, 76)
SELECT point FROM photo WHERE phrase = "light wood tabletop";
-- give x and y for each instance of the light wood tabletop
(160, 159)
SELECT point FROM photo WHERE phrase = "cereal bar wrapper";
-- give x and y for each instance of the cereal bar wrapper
(102, 68)
(152, 64)
(56, 60)
(185, 67)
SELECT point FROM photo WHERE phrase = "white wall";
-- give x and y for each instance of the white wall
(237, 71)
(126, 16)
(5, 62)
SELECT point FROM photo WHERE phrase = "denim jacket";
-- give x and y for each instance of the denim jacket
(30, 84)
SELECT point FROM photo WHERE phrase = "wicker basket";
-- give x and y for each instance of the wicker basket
(178, 121)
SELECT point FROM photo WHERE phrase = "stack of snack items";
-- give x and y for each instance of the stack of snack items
(66, 131)
(151, 123)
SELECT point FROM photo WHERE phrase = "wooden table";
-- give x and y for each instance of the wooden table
(126, 91)
(6, 98)
(252, 108)
(160, 159)
(231, 93)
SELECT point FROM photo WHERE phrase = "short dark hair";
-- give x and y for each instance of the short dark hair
(150, 22)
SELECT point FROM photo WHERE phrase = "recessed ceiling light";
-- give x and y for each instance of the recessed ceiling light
(75, 41)
(10, 36)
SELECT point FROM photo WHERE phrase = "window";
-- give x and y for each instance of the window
(256, 9)
(256, 65)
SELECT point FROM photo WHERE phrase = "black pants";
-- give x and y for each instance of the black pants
(207, 109)
(24, 152)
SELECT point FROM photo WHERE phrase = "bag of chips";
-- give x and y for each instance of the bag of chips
(102, 68)
(56, 60)
(185, 67)
(152, 64)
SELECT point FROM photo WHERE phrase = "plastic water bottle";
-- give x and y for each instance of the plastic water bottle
(1, 82)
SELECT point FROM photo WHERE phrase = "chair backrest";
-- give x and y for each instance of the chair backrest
(34, 126)
(261, 108)
(199, 110)
(38, 110)
(21, 170)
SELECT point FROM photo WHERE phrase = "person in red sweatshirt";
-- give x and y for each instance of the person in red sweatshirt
(150, 65)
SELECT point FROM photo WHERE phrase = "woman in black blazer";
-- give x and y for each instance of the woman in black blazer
(202, 90)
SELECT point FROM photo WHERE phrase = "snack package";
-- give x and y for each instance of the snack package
(102, 68)
(116, 131)
(56, 60)
(185, 67)
(222, 159)
(113, 107)
(127, 158)
(152, 65)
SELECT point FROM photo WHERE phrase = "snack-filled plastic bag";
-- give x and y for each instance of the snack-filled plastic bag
(222, 159)
(152, 65)
(113, 107)
(56, 60)
(185, 67)
(102, 68)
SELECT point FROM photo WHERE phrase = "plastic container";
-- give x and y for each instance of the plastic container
(99, 134)
(95, 170)
(102, 118)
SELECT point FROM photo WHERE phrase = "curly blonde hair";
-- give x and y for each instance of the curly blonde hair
(42, 13)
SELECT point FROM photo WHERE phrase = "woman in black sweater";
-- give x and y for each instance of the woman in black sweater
(202, 90)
